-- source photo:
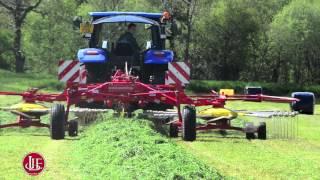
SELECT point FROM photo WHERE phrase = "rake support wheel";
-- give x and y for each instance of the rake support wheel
(250, 135)
(262, 131)
(173, 130)
(73, 128)
(57, 122)
(189, 124)
(250, 129)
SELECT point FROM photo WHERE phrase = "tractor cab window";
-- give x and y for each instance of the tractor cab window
(107, 35)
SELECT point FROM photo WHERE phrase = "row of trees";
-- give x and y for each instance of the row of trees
(274, 40)
(252, 40)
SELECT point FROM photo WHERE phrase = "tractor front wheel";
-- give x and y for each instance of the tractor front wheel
(73, 128)
(189, 124)
(57, 122)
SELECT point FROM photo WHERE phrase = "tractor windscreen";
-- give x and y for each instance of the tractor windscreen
(106, 35)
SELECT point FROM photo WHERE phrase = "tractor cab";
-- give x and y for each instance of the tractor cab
(142, 50)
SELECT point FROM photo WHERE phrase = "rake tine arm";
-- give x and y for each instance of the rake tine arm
(261, 97)
(11, 93)
(278, 99)
(21, 114)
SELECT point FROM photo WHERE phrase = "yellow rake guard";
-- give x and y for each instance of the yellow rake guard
(226, 92)
(28, 108)
(216, 113)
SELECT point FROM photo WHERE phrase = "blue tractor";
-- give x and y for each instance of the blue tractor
(107, 52)
(143, 54)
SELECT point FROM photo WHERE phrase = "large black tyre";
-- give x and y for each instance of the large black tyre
(173, 130)
(262, 131)
(306, 102)
(73, 128)
(57, 122)
(189, 124)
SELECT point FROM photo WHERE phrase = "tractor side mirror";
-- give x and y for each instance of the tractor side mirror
(86, 29)
(77, 20)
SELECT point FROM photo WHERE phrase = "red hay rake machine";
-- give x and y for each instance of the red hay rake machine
(155, 82)
(126, 93)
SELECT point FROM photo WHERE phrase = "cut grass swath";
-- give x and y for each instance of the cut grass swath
(131, 149)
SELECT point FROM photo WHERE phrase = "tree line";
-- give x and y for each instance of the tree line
(248, 40)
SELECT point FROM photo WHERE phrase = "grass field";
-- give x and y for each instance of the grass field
(235, 156)
(112, 149)
(20, 82)
(131, 149)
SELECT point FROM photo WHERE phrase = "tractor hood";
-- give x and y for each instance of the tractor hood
(92, 55)
(158, 57)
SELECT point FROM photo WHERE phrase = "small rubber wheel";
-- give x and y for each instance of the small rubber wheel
(173, 130)
(57, 122)
(189, 124)
(223, 132)
(250, 136)
(73, 128)
(262, 131)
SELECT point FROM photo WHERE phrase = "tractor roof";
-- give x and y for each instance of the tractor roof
(125, 19)
(153, 16)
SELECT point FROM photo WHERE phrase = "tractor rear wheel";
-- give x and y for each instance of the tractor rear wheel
(189, 124)
(262, 131)
(57, 122)
(73, 128)
(173, 130)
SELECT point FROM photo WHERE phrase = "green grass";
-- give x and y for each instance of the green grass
(235, 156)
(111, 149)
(130, 149)
(15, 145)
(20, 82)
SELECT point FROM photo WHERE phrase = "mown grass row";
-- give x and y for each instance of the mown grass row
(205, 86)
(131, 149)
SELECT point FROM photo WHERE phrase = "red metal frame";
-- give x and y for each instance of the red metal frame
(128, 89)
(25, 122)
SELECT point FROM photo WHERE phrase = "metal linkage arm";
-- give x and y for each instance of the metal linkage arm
(261, 97)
